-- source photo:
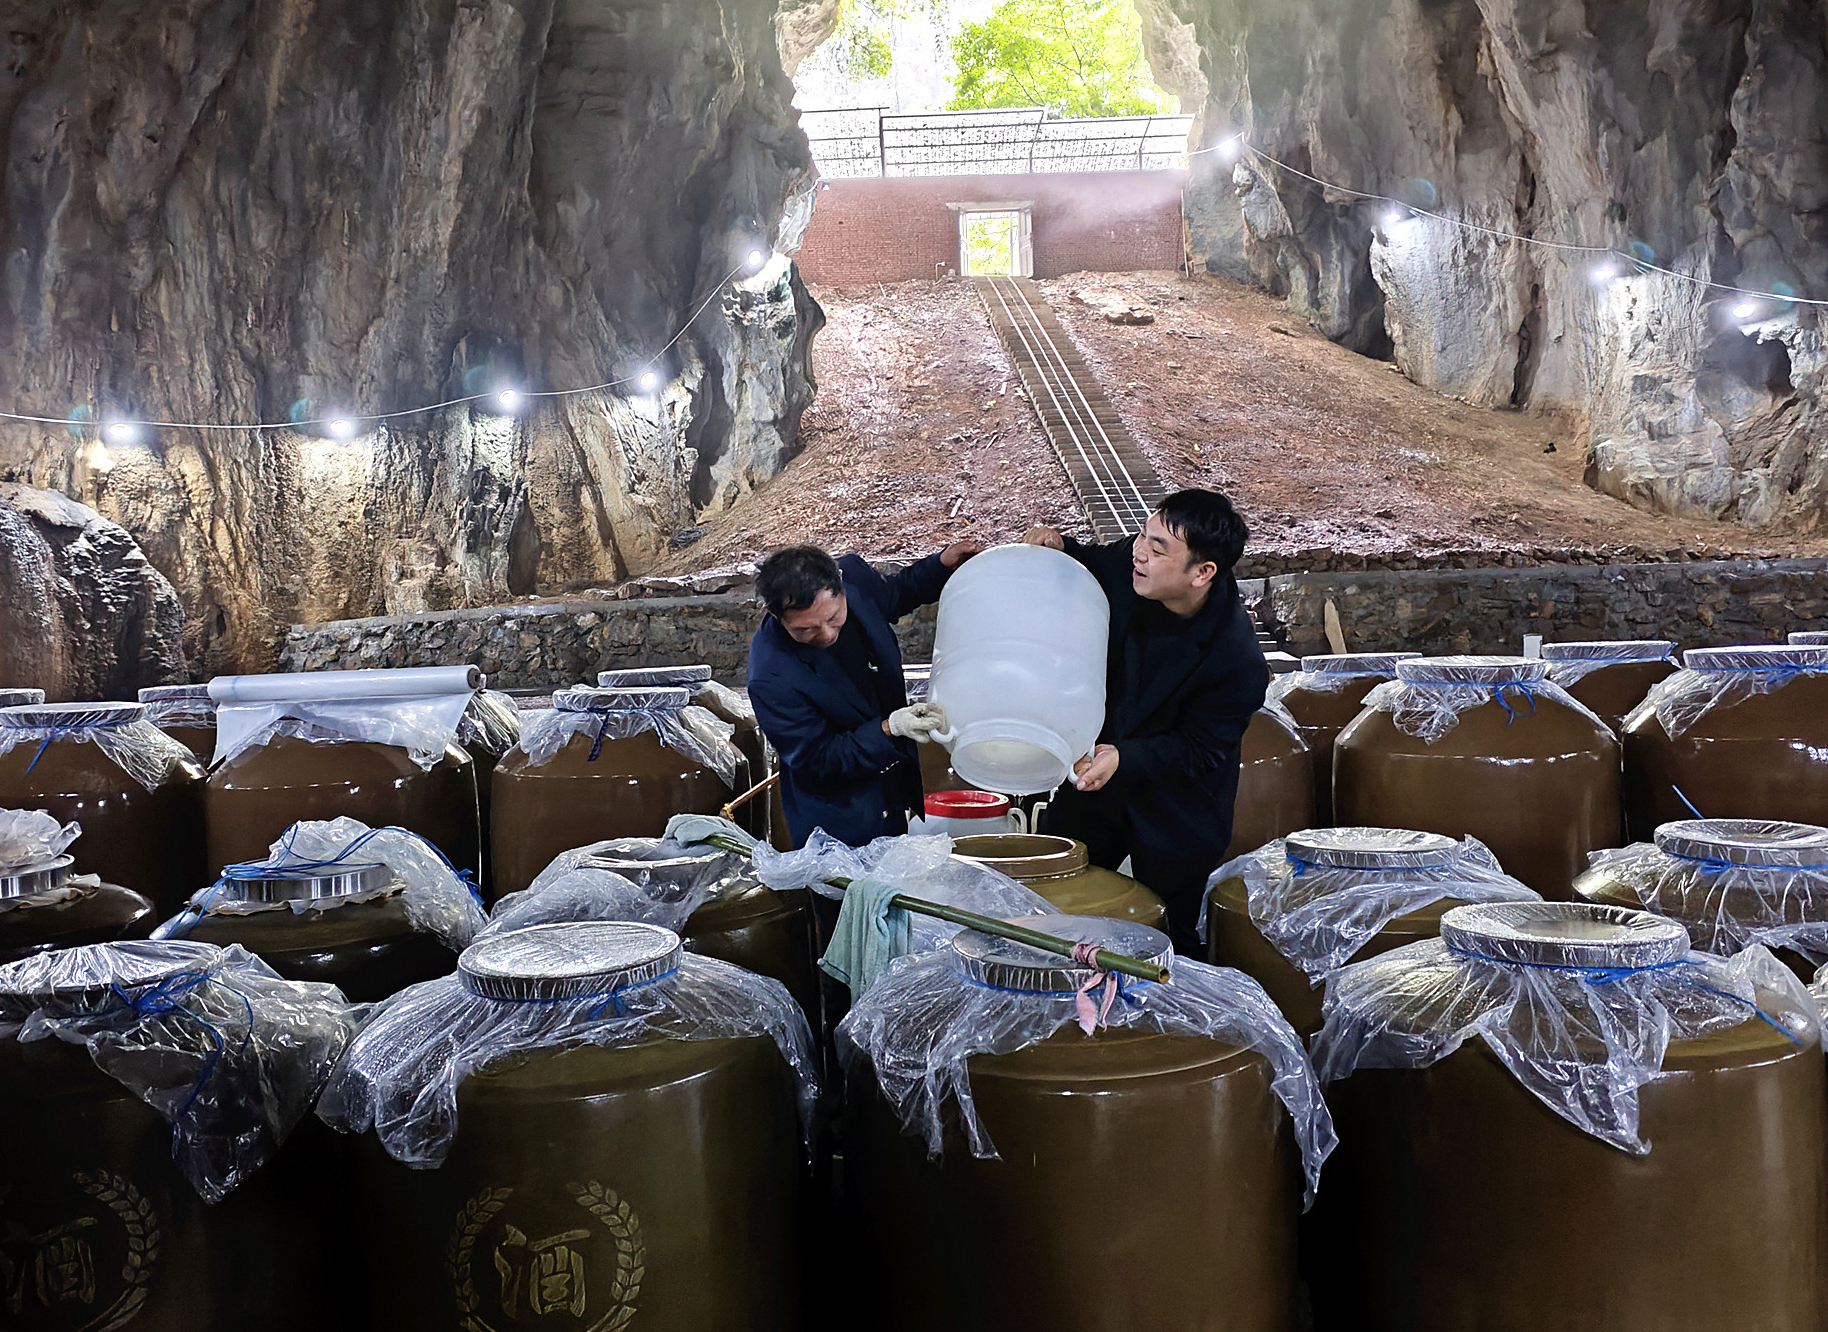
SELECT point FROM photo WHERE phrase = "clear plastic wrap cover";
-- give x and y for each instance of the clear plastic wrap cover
(622, 714)
(439, 899)
(918, 677)
(1329, 675)
(19, 698)
(921, 1023)
(119, 730)
(179, 705)
(919, 866)
(1320, 896)
(1818, 990)
(1809, 638)
(491, 723)
(1429, 693)
(31, 837)
(424, 727)
(691, 677)
(228, 1053)
(402, 1075)
(1732, 883)
(601, 882)
(1570, 663)
(1578, 1001)
(1720, 677)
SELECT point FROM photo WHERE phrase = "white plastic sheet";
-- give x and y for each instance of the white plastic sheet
(31, 837)
(1429, 693)
(417, 710)
(1578, 1001)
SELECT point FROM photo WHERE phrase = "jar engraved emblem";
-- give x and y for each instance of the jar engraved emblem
(545, 1281)
(100, 1262)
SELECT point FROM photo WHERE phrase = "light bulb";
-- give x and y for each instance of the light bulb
(1394, 219)
(509, 399)
(120, 432)
(650, 381)
(1604, 273)
(1745, 309)
(1230, 148)
(757, 258)
(342, 427)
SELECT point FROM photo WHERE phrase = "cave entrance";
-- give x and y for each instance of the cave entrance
(995, 240)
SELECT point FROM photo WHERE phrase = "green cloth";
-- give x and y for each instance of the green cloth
(689, 828)
(869, 935)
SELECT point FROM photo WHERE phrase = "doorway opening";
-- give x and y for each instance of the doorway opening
(995, 240)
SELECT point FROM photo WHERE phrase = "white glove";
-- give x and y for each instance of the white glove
(918, 722)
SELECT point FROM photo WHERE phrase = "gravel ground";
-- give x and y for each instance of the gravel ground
(919, 435)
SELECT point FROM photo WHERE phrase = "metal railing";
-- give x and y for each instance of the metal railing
(854, 142)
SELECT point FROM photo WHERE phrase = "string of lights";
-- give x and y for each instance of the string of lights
(344, 425)
(1610, 263)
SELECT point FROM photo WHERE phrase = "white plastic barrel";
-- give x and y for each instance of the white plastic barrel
(1018, 666)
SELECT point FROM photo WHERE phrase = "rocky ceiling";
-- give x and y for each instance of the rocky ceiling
(237, 211)
(1686, 132)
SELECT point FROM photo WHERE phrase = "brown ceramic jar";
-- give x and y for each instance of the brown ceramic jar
(150, 842)
(1610, 678)
(262, 791)
(1275, 783)
(104, 1232)
(1456, 1194)
(357, 936)
(1323, 697)
(1233, 940)
(1762, 756)
(1703, 873)
(1191, 1125)
(727, 705)
(187, 714)
(594, 789)
(490, 728)
(1536, 780)
(746, 923)
(655, 1186)
(40, 909)
(1060, 869)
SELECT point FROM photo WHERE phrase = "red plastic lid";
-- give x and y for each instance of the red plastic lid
(967, 805)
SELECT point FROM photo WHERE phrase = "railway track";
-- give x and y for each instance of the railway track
(1115, 484)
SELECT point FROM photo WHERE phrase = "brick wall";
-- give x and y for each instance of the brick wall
(900, 228)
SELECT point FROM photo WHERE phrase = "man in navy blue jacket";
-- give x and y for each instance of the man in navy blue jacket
(825, 678)
(1183, 679)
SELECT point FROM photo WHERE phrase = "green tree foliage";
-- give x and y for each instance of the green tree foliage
(1074, 57)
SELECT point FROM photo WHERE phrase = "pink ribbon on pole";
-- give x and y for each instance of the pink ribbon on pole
(1092, 1016)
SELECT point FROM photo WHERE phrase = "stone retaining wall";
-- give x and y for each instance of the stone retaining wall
(1490, 610)
(1433, 611)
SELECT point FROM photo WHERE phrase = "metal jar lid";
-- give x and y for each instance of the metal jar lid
(1757, 657)
(649, 677)
(40, 876)
(20, 698)
(93, 976)
(1564, 934)
(1472, 670)
(568, 961)
(1004, 964)
(585, 699)
(70, 716)
(1754, 843)
(1633, 649)
(1356, 663)
(1371, 848)
(276, 884)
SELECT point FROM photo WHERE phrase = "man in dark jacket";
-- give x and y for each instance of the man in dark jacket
(1183, 679)
(825, 678)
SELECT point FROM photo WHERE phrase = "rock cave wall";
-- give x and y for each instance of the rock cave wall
(283, 210)
(1685, 132)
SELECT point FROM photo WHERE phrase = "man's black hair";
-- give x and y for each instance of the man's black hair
(792, 578)
(1205, 520)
